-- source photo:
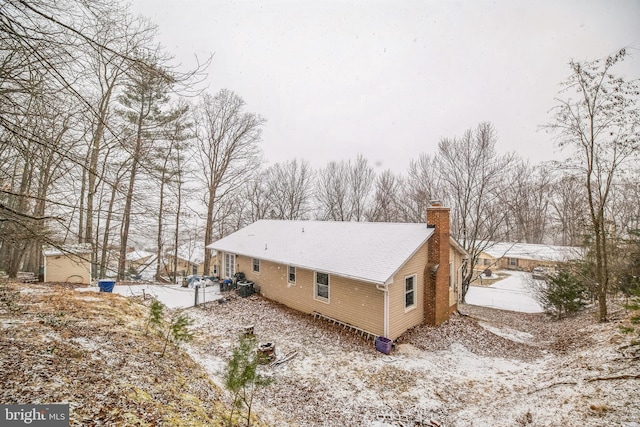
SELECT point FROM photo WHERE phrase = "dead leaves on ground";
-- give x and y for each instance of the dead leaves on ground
(58, 345)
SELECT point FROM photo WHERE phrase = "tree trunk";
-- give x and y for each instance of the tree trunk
(126, 216)
(159, 237)
(208, 234)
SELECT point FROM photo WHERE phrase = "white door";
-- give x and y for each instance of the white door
(229, 265)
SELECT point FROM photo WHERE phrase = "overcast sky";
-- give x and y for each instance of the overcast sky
(389, 79)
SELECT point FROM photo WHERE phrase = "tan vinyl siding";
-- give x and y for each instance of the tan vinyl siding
(67, 268)
(351, 301)
(454, 292)
(399, 319)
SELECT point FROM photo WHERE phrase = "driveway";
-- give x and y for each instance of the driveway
(173, 296)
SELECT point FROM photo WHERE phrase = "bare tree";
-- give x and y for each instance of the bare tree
(46, 49)
(423, 185)
(228, 151)
(387, 198)
(332, 192)
(119, 36)
(289, 187)
(255, 192)
(568, 210)
(343, 190)
(602, 126)
(473, 175)
(361, 178)
(527, 200)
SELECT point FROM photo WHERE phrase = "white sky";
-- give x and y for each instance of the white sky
(389, 79)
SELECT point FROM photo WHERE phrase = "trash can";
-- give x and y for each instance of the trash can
(106, 285)
(383, 345)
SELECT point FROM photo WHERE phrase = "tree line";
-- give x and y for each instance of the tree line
(104, 142)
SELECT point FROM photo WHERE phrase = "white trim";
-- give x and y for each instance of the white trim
(315, 287)
(385, 288)
(414, 276)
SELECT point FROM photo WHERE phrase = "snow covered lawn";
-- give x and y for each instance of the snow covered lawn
(173, 296)
(512, 293)
(487, 368)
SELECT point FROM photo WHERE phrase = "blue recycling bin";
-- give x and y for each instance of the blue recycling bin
(106, 285)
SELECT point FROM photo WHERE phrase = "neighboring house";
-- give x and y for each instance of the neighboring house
(382, 278)
(525, 256)
(190, 261)
(68, 263)
(142, 262)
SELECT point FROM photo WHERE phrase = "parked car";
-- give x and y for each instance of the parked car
(542, 273)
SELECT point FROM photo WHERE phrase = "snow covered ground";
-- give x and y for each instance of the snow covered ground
(173, 296)
(512, 293)
(489, 368)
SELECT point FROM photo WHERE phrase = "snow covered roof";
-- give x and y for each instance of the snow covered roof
(137, 255)
(76, 249)
(191, 252)
(534, 252)
(368, 251)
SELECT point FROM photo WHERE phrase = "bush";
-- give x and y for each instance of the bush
(562, 294)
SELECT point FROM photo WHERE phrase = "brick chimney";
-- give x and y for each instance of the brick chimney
(436, 274)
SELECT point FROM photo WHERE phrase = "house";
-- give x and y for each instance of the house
(381, 278)
(140, 262)
(525, 256)
(190, 260)
(68, 263)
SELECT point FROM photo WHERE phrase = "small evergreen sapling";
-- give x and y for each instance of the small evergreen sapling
(155, 316)
(241, 376)
(178, 330)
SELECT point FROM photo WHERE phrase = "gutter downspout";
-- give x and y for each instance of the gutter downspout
(385, 289)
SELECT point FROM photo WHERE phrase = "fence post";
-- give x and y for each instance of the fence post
(195, 302)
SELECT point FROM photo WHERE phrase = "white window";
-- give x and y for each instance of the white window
(229, 265)
(256, 265)
(322, 286)
(410, 291)
(513, 261)
(292, 275)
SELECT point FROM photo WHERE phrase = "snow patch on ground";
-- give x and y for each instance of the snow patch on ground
(508, 333)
